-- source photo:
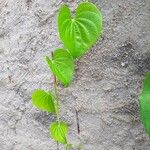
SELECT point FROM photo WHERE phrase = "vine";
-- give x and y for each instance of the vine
(78, 35)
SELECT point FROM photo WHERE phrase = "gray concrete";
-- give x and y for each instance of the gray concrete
(105, 88)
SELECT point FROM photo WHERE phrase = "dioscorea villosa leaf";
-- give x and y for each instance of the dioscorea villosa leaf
(62, 66)
(80, 32)
(43, 100)
(58, 131)
(145, 103)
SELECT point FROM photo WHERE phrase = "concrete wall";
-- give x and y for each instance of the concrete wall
(105, 88)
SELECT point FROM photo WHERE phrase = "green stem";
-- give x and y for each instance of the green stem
(56, 98)
(80, 146)
(68, 146)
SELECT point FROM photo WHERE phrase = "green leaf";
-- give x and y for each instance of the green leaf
(58, 131)
(43, 100)
(62, 66)
(80, 32)
(145, 103)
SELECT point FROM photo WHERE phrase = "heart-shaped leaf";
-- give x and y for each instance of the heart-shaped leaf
(145, 103)
(58, 131)
(62, 65)
(80, 32)
(43, 100)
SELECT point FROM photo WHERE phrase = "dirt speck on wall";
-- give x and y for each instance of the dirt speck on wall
(105, 88)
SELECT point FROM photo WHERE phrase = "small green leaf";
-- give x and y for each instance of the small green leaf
(43, 100)
(80, 32)
(62, 65)
(58, 131)
(145, 103)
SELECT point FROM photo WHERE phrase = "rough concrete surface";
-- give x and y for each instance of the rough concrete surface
(105, 88)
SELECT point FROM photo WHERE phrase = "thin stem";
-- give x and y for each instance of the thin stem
(80, 146)
(68, 146)
(56, 98)
(57, 146)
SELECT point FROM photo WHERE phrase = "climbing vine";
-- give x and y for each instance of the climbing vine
(78, 33)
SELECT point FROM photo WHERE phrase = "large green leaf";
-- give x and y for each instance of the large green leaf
(58, 131)
(62, 65)
(80, 32)
(145, 103)
(43, 100)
